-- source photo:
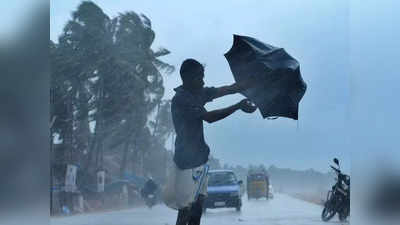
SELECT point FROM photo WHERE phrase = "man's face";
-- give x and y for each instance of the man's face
(197, 82)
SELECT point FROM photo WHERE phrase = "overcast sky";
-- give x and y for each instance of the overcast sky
(317, 33)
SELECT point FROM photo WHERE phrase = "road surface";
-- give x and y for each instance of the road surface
(282, 210)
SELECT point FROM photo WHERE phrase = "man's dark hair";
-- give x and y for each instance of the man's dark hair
(188, 67)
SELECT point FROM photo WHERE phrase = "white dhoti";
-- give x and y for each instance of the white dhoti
(184, 186)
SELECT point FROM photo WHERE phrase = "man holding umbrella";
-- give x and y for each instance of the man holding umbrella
(191, 151)
(267, 75)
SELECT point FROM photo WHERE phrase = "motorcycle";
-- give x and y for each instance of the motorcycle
(338, 199)
(150, 200)
(149, 197)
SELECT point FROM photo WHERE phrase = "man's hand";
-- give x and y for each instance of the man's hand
(247, 106)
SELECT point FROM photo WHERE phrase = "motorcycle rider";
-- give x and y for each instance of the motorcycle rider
(150, 187)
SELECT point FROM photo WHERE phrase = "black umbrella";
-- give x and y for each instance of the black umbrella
(280, 85)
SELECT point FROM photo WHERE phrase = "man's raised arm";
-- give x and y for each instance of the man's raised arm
(235, 88)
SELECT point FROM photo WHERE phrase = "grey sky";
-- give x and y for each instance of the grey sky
(375, 80)
(315, 32)
(15, 16)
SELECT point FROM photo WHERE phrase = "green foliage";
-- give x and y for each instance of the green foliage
(104, 72)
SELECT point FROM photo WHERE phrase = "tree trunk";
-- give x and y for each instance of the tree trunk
(92, 148)
(124, 159)
(83, 131)
(51, 169)
(157, 119)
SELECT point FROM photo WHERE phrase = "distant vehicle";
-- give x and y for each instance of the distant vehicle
(150, 200)
(258, 185)
(150, 193)
(224, 190)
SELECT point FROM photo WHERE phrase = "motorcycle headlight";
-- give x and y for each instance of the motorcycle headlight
(233, 194)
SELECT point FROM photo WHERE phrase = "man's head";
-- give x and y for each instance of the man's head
(192, 74)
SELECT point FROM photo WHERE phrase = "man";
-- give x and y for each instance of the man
(191, 151)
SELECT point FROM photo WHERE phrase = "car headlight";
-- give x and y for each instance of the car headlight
(236, 193)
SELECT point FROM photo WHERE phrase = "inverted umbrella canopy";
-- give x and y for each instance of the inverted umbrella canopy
(280, 85)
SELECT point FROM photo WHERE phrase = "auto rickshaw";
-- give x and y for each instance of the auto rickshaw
(257, 185)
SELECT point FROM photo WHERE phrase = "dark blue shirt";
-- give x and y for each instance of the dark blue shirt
(187, 109)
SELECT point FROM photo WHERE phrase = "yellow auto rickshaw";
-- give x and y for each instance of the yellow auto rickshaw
(257, 185)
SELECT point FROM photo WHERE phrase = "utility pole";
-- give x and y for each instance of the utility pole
(53, 119)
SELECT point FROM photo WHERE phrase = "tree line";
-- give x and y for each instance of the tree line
(106, 92)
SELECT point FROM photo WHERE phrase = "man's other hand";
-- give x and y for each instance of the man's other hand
(247, 106)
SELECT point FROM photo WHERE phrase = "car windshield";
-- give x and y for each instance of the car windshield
(221, 178)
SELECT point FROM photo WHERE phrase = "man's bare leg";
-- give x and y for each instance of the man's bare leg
(183, 216)
(197, 211)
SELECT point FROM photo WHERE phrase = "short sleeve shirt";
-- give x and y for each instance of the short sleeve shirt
(187, 109)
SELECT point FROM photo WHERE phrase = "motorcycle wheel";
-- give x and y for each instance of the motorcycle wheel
(327, 214)
(150, 204)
